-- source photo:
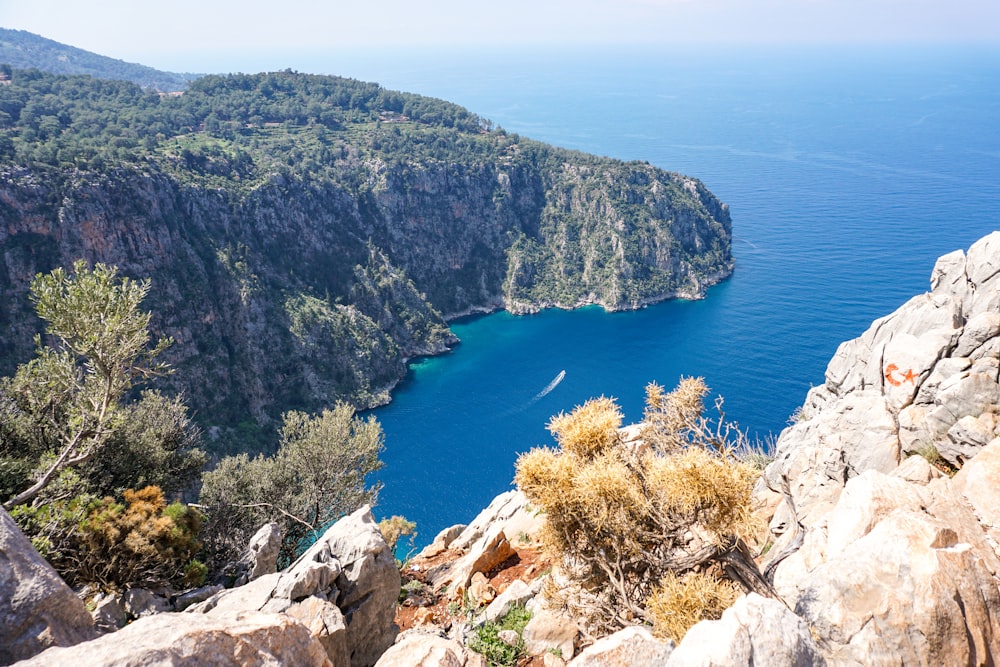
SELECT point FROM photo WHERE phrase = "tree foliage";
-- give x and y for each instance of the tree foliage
(316, 477)
(63, 408)
(626, 522)
(73, 447)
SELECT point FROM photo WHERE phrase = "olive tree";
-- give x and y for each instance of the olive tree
(84, 468)
(61, 408)
(317, 476)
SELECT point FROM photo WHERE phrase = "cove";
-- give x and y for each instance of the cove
(848, 173)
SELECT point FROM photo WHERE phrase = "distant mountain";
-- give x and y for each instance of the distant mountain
(23, 50)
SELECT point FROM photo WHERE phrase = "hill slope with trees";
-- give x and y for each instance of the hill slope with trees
(22, 49)
(305, 235)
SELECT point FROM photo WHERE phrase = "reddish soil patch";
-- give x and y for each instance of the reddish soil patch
(527, 564)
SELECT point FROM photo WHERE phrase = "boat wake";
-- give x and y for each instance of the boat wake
(550, 386)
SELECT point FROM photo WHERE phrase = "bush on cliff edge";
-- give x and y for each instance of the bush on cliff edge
(640, 532)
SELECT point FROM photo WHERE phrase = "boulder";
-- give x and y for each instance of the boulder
(754, 631)
(350, 566)
(253, 596)
(194, 596)
(480, 591)
(368, 584)
(918, 470)
(140, 602)
(516, 593)
(261, 555)
(977, 484)
(509, 637)
(423, 649)
(626, 648)
(325, 622)
(37, 608)
(192, 640)
(442, 541)
(108, 613)
(549, 631)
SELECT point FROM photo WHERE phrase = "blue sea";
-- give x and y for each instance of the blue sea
(848, 171)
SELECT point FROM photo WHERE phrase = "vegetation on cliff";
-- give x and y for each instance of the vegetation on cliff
(316, 477)
(655, 534)
(74, 430)
(307, 234)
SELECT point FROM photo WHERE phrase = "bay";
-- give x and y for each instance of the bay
(848, 172)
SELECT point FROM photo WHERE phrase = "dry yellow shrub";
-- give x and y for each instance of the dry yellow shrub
(703, 487)
(671, 417)
(681, 601)
(620, 524)
(590, 429)
(547, 477)
(610, 494)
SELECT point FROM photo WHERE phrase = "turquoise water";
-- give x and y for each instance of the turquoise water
(847, 172)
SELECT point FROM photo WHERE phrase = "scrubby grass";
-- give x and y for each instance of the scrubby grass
(487, 640)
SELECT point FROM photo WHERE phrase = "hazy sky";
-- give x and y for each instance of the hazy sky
(157, 32)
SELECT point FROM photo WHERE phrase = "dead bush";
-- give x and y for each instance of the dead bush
(626, 525)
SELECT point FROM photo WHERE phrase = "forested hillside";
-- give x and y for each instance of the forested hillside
(306, 234)
(23, 49)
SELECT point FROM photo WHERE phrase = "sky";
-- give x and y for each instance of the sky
(170, 34)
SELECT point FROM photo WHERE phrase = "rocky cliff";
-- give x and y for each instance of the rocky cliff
(885, 535)
(888, 482)
(306, 235)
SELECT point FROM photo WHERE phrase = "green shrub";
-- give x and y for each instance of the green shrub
(497, 652)
(141, 542)
(316, 477)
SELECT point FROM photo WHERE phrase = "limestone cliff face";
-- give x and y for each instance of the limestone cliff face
(297, 291)
(899, 562)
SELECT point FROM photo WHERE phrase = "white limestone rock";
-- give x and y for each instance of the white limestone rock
(626, 648)
(423, 649)
(549, 631)
(754, 631)
(188, 640)
(37, 608)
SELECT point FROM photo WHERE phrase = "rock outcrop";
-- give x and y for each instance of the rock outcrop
(343, 588)
(898, 562)
(754, 631)
(37, 608)
(260, 556)
(625, 648)
(921, 380)
(482, 545)
(189, 640)
(426, 649)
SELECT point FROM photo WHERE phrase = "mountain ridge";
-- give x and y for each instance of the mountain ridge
(22, 49)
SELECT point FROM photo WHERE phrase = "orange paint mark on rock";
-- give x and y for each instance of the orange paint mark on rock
(892, 370)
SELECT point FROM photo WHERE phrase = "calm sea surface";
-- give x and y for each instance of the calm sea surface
(848, 172)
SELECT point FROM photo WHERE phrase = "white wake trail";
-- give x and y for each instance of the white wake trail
(552, 385)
